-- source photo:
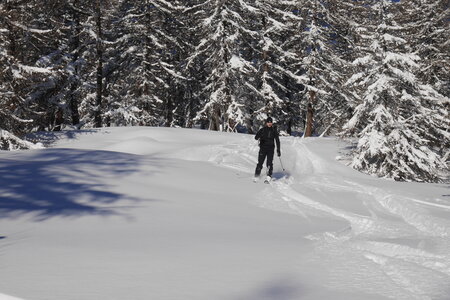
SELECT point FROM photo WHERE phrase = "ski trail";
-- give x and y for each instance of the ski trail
(415, 273)
(392, 245)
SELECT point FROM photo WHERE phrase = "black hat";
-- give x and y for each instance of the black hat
(269, 120)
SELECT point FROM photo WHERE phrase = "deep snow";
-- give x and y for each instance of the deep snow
(159, 213)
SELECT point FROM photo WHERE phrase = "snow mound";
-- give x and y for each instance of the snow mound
(141, 145)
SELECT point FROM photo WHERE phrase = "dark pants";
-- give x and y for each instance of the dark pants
(263, 153)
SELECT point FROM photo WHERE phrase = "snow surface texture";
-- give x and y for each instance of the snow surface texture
(158, 213)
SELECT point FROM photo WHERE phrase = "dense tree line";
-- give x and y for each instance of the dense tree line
(374, 70)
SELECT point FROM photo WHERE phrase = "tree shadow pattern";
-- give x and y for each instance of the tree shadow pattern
(51, 182)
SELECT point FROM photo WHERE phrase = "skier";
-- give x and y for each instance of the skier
(267, 136)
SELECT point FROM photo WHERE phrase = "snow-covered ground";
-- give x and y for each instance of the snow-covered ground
(159, 213)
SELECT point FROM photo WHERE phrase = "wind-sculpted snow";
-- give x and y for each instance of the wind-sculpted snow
(157, 213)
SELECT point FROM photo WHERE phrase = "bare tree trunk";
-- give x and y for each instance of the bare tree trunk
(310, 114)
(265, 57)
(169, 112)
(59, 120)
(98, 102)
(215, 120)
(75, 45)
(221, 116)
(312, 75)
(289, 127)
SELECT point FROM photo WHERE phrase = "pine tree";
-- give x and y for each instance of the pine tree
(279, 84)
(428, 21)
(224, 32)
(18, 73)
(391, 120)
(428, 34)
(146, 70)
(318, 43)
(171, 61)
(58, 51)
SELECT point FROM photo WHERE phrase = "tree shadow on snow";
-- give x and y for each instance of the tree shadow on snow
(63, 182)
(48, 138)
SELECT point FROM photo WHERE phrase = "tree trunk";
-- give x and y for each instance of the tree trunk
(310, 114)
(289, 127)
(98, 102)
(75, 45)
(169, 112)
(215, 120)
(265, 57)
(59, 120)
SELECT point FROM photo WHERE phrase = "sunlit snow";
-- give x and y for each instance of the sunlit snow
(160, 213)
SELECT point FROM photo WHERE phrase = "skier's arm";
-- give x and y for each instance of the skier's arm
(258, 134)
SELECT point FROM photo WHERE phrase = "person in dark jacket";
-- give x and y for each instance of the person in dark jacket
(268, 137)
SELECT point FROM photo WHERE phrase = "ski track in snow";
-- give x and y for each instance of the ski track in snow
(397, 250)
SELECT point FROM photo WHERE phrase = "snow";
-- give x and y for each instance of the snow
(7, 297)
(164, 213)
(34, 30)
(17, 142)
(403, 58)
(391, 38)
(237, 63)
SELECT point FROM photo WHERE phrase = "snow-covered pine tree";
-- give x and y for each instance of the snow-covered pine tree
(173, 33)
(18, 73)
(9, 97)
(63, 34)
(428, 34)
(317, 43)
(428, 21)
(58, 46)
(224, 33)
(146, 69)
(95, 40)
(344, 18)
(66, 57)
(391, 120)
(278, 84)
(195, 74)
(98, 38)
(124, 105)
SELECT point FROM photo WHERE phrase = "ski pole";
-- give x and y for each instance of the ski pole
(281, 164)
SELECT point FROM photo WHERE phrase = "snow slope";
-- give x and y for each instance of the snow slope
(159, 213)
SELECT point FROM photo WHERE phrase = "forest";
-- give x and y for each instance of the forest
(375, 72)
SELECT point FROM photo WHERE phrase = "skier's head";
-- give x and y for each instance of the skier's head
(269, 122)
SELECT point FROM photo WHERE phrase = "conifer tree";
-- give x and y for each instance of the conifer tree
(318, 44)
(224, 32)
(428, 33)
(392, 119)
(148, 53)
(18, 73)
(428, 23)
(279, 84)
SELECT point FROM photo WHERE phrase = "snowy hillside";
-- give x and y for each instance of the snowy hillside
(159, 213)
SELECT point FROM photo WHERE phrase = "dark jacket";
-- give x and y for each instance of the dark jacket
(268, 137)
